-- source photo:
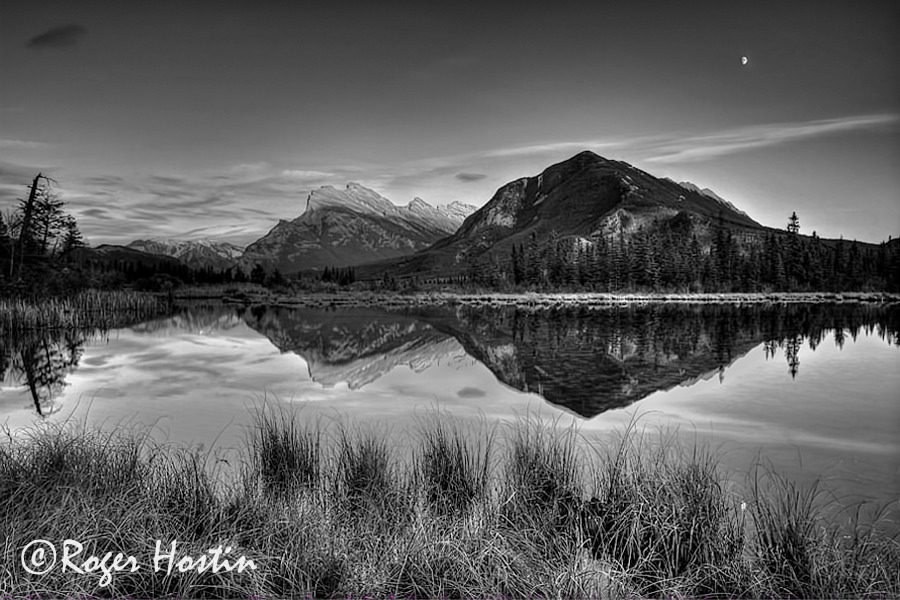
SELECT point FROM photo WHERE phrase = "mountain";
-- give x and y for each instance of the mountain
(584, 196)
(709, 194)
(211, 320)
(457, 212)
(198, 254)
(356, 345)
(594, 361)
(586, 362)
(108, 255)
(350, 226)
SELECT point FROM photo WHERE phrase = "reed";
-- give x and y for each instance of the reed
(452, 467)
(664, 513)
(91, 309)
(285, 454)
(329, 511)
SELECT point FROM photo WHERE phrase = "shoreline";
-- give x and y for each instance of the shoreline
(529, 299)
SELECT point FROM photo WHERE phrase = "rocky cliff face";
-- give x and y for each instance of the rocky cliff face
(351, 226)
(585, 196)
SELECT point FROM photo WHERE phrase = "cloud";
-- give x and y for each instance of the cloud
(96, 213)
(712, 145)
(15, 180)
(240, 204)
(301, 174)
(552, 147)
(470, 392)
(467, 177)
(678, 147)
(58, 37)
(7, 144)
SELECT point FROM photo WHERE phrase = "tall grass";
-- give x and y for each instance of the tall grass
(88, 309)
(453, 468)
(665, 514)
(329, 510)
(285, 454)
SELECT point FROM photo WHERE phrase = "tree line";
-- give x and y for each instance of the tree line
(43, 252)
(673, 258)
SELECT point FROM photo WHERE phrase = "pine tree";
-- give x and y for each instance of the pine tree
(515, 266)
(534, 270)
(258, 274)
(554, 259)
(793, 225)
(73, 239)
(49, 222)
(521, 267)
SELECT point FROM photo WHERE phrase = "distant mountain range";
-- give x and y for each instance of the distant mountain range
(199, 254)
(583, 197)
(108, 254)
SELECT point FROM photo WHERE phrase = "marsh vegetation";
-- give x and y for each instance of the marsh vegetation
(520, 510)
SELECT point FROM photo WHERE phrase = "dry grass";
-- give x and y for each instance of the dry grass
(92, 309)
(331, 511)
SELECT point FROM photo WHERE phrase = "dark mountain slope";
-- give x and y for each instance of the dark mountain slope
(586, 195)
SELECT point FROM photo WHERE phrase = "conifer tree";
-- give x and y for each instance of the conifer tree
(73, 239)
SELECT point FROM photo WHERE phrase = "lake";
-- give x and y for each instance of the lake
(812, 388)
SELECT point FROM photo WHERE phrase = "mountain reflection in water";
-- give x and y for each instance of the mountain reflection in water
(586, 360)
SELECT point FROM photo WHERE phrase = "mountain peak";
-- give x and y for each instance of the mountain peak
(354, 197)
(341, 227)
(582, 197)
(419, 204)
(587, 155)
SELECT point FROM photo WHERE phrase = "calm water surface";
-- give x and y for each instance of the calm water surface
(815, 389)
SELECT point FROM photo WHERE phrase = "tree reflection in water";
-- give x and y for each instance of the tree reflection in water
(41, 361)
(587, 360)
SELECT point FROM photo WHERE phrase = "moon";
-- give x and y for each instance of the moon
(744, 60)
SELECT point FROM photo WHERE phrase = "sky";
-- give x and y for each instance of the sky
(201, 119)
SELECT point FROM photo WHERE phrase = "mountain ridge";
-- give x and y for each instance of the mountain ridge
(340, 228)
(197, 254)
(584, 196)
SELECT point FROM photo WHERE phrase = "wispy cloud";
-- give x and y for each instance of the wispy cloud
(58, 37)
(468, 177)
(15, 179)
(251, 168)
(306, 175)
(712, 145)
(239, 203)
(8, 144)
(552, 147)
(691, 146)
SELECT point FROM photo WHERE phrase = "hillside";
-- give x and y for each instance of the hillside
(584, 197)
